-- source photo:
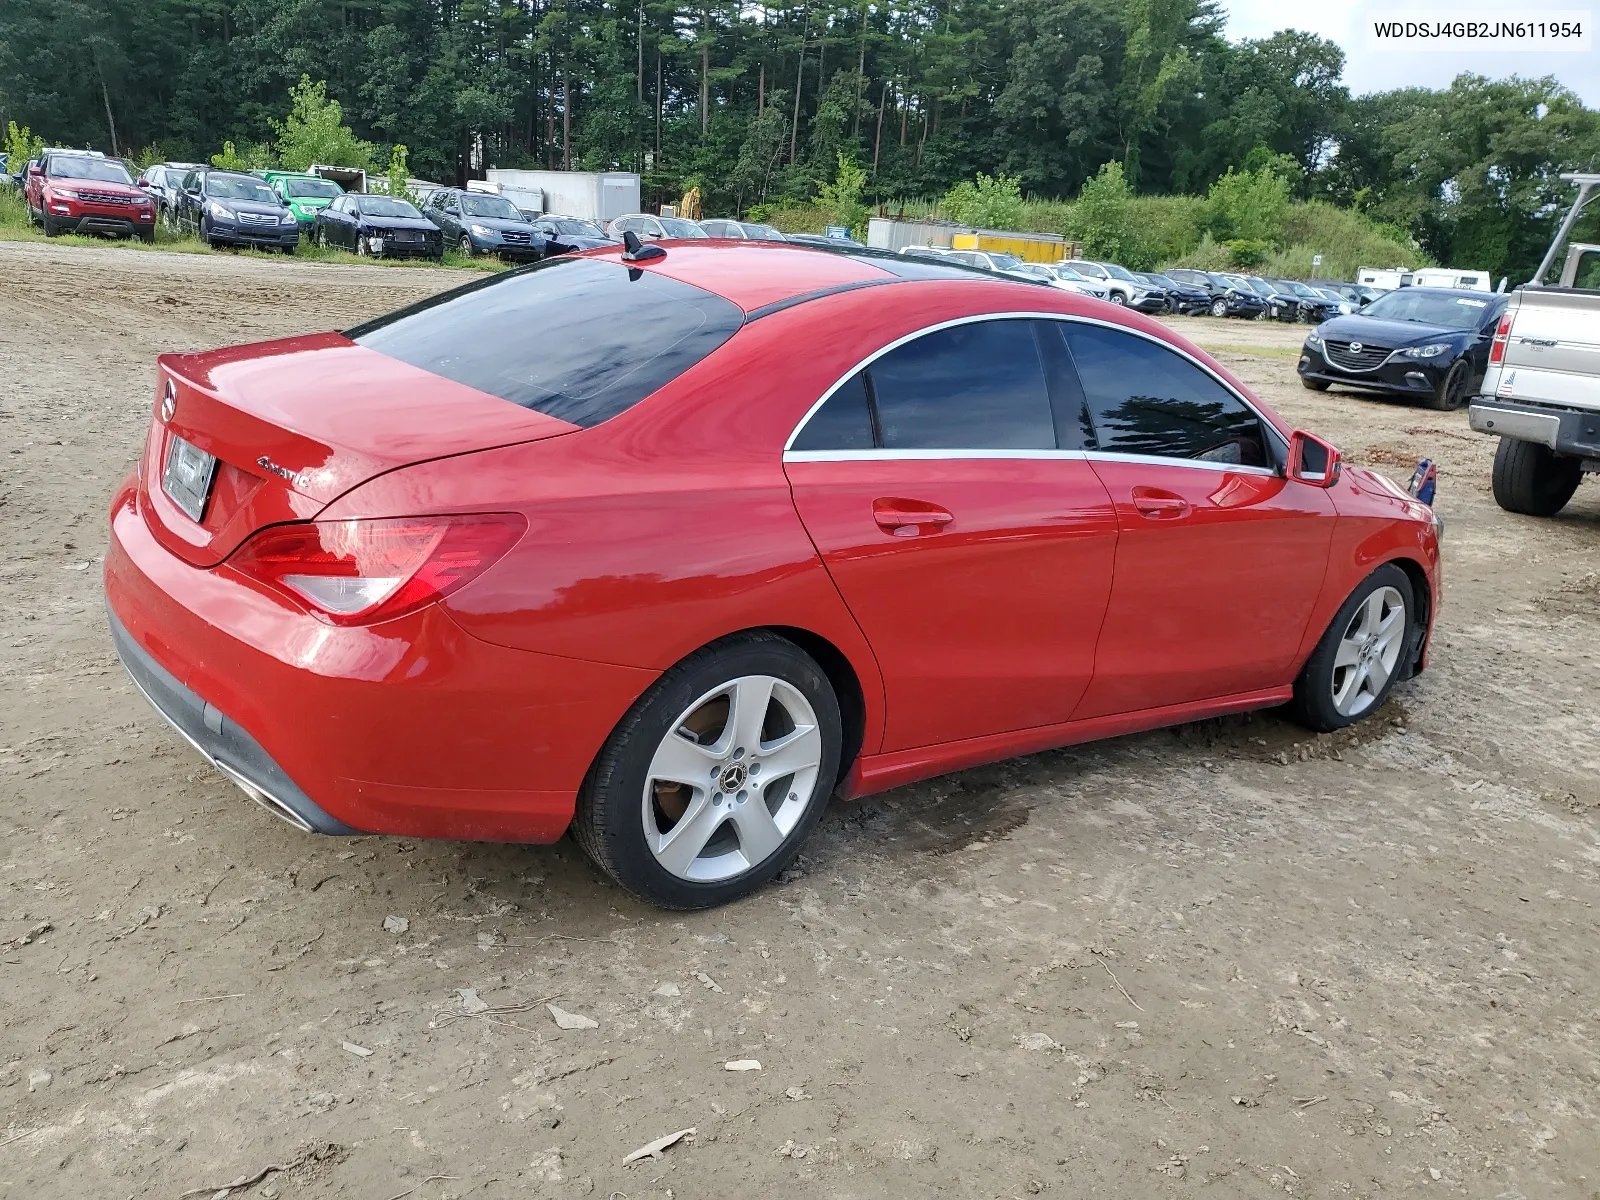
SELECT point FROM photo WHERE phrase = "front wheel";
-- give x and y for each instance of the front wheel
(709, 784)
(51, 229)
(1119, 298)
(1316, 385)
(1219, 308)
(1532, 479)
(466, 247)
(1452, 390)
(1359, 658)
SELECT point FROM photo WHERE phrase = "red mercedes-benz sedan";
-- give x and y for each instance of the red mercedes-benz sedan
(671, 547)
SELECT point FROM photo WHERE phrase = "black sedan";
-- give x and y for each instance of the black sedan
(564, 235)
(1182, 297)
(1432, 343)
(1314, 307)
(230, 208)
(1230, 295)
(484, 223)
(380, 226)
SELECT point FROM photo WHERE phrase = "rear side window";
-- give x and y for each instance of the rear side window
(843, 423)
(573, 338)
(1146, 399)
(976, 386)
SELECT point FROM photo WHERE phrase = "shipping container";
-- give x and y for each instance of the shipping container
(1029, 247)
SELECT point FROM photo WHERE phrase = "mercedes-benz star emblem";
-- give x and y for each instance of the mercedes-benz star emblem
(1355, 347)
(169, 402)
(733, 777)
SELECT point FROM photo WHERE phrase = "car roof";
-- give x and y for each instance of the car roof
(762, 275)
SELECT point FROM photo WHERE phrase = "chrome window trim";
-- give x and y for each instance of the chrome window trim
(926, 455)
(792, 455)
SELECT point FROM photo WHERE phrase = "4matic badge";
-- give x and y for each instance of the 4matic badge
(294, 478)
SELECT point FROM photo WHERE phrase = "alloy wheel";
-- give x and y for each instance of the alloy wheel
(731, 779)
(1369, 651)
(1219, 308)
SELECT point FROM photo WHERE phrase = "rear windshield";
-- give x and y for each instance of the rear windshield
(574, 338)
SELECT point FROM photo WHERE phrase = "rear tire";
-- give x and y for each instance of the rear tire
(1532, 479)
(733, 815)
(1452, 390)
(1316, 385)
(1360, 657)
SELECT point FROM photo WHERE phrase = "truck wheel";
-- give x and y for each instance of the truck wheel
(1532, 479)
(1316, 385)
(1452, 390)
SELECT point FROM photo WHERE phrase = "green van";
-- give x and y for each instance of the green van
(306, 195)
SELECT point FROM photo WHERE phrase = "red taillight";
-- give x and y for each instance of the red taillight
(1502, 334)
(362, 571)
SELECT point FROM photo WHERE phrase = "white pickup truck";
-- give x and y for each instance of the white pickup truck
(1541, 393)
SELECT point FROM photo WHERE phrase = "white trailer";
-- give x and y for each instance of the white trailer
(593, 195)
(1448, 277)
(1385, 279)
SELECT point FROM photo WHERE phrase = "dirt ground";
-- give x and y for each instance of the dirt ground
(1230, 959)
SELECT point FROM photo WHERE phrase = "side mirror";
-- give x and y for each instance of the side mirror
(35, 170)
(1313, 461)
(141, 182)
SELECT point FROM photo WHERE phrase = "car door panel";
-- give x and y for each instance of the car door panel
(964, 528)
(1220, 558)
(1212, 590)
(982, 623)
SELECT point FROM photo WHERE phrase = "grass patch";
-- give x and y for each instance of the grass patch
(14, 227)
(1252, 351)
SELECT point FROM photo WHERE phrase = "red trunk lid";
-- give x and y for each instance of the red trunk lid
(296, 423)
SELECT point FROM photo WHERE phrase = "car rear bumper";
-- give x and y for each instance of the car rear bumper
(1566, 431)
(412, 727)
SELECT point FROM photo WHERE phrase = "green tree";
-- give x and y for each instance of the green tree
(842, 197)
(1248, 206)
(315, 132)
(987, 202)
(1100, 217)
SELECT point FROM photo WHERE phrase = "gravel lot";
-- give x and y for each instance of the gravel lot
(1230, 959)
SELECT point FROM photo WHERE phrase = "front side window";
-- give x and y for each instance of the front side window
(1146, 399)
(974, 386)
(604, 337)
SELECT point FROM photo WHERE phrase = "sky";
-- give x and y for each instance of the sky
(1368, 69)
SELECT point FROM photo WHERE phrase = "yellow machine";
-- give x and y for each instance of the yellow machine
(690, 208)
(1029, 247)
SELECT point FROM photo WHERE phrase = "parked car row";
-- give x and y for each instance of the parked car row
(82, 191)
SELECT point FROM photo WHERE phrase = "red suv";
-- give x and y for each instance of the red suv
(77, 191)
